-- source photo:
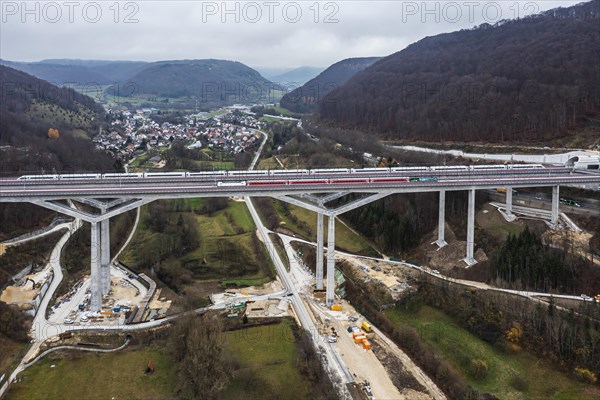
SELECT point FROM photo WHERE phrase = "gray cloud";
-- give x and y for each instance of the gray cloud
(261, 33)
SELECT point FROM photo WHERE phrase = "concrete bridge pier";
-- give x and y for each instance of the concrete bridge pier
(100, 235)
(105, 255)
(509, 201)
(470, 259)
(555, 203)
(96, 279)
(330, 261)
(316, 203)
(100, 260)
(319, 268)
(441, 241)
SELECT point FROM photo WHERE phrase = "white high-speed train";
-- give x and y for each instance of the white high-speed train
(282, 172)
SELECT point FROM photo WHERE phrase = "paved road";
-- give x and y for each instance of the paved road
(527, 158)
(259, 151)
(475, 284)
(40, 326)
(334, 360)
(543, 201)
(292, 292)
(42, 233)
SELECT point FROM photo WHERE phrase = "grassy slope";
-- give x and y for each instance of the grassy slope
(345, 238)
(104, 376)
(10, 354)
(284, 111)
(457, 345)
(268, 163)
(494, 224)
(267, 356)
(216, 232)
(57, 116)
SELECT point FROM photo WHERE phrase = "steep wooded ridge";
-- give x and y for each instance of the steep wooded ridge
(85, 73)
(214, 81)
(29, 108)
(519, 80)
(307, 97)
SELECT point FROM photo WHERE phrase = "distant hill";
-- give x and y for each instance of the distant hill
(214, 82)
(83, 63)
(305, 98)
(527, 79)
(29, 108)
(60, 74)
(79, 72)
(297, 76)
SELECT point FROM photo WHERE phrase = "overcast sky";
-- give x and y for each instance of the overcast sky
(261, 33)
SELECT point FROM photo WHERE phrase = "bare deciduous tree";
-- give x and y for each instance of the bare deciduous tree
(197, 347)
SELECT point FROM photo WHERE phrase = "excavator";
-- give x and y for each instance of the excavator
(33, 284)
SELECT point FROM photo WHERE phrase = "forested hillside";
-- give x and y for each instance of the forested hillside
(213, 82)
(522, 80)
(307, 97)
(29, 108)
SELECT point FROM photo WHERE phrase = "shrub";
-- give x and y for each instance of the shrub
(519, 383)
(514, 334)
(478, 368)
(585, 375)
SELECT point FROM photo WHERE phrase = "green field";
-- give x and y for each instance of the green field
(233, 220)
(268, 119)
(493, 223)
(268, 163)
(229, 251)
(104, 376)
(284, 111)
(209, 160)
(276, 94)
(458, 345)
(267, 357)
(304, 223)
(11, 353)
(227, 243)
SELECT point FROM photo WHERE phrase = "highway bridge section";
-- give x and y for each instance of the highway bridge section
(309, 189)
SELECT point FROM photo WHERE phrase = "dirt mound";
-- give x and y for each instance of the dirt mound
(451, 255)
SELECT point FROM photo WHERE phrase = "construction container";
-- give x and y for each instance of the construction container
(336, 307)
(366, 344)
(240, 304)
(359, 339)
(366, 326)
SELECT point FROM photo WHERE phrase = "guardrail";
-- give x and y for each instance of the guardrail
(38, 232)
